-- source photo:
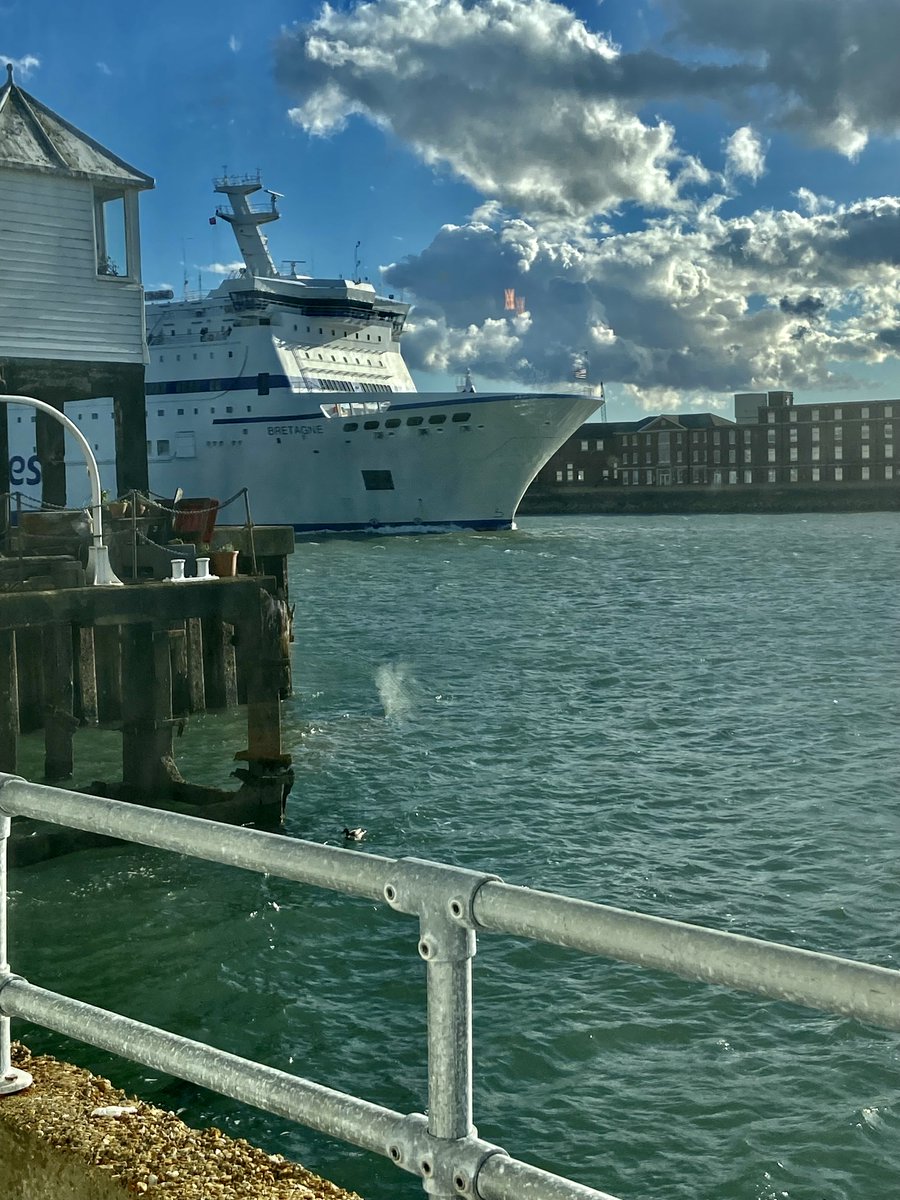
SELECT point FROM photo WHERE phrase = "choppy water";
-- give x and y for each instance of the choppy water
(695, 717)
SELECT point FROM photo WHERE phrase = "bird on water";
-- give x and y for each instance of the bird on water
(353, 835)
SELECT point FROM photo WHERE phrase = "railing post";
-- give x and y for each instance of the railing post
(11, 1078)
(443, 898)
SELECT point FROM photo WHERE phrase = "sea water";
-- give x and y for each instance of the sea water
(694, 717)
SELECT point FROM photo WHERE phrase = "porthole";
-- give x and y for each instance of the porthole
(392, 422)
(414, 420)
(437, 419)
(461, 417)
(350, 426)
(371, 425)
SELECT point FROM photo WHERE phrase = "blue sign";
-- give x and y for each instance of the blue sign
(19, 465)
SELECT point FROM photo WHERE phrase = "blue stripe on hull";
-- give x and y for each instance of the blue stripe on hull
(404, 526)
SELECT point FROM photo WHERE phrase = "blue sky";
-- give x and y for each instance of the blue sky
(699, 194)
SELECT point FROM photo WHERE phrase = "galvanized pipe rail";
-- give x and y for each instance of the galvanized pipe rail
(452, 904)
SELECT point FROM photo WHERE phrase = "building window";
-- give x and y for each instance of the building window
(732, 437)
(838, 474)
(771, 476)
(748, 454)
(794, 435)
(888, 449)
(888, 431)
(838, 453)
(815, 453)
(599, 443)
(793, 474)
(771, 456)
(792, 414)
(836, 414)
(748, 477)
(864, 432)
(584, 445)
(581, 476)
(771, 437)
(889, 472)
(865, 472)
(838, 433)
(814, 433)
(114, 222)
(732, 476)
(559, 476)
(814, 414)
(770, 417)
(864, 414)
(816, 472)
(865, 450)
(793, 453)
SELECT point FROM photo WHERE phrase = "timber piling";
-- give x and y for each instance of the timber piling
(142, 659)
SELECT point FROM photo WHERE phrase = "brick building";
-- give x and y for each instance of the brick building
(771, 442)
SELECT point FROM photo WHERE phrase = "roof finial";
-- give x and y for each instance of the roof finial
(9, 74)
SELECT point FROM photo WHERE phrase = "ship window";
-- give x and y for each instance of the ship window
(181, 412)
(378, 481)
(228, 408)
(162, 446)
(350, 426)
(461, 417)
(320, 331)
(392, 422)
(370, 425)
(437, 419)
(414, 420)
(94, 416)
(262, 384)
(196, 411)
(231, 354)
(159, 412)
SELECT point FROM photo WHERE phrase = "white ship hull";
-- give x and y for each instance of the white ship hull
(428, 461)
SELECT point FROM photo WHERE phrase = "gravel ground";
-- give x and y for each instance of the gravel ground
(146, 1150)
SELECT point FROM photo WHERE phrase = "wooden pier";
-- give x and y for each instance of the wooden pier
(142, 659)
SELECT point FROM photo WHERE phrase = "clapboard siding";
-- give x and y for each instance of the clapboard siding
(52, 302)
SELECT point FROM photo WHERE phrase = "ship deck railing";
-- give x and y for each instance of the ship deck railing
(453, 906)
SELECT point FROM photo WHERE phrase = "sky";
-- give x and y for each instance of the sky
(691, 197)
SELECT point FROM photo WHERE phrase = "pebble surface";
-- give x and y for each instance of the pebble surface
(147, 1150)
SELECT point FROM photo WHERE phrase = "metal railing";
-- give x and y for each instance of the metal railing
(452, 905)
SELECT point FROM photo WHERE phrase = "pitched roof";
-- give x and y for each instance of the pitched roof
(34, 138)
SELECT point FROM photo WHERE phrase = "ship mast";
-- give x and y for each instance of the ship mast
(245, 219)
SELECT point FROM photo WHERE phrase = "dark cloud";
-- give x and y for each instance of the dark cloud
(663, 310)
(808, 306)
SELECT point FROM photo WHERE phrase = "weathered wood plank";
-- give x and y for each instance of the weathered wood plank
(9, 703)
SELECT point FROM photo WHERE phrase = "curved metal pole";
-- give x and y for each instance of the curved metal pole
(98, 555)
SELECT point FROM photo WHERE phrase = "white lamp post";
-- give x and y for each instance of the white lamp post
(98, 569)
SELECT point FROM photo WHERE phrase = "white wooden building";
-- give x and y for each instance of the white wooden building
(71, 301)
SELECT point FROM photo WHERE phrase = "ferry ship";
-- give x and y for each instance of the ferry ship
(296, 388)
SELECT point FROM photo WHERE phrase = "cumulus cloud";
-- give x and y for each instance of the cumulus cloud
(554, 125)
(234, 44)
(822, 65)
(744, 155)
(217, 268)
(517, 97)
(694, 308)
(23, 66)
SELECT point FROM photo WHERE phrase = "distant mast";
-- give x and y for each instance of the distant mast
(245, 219)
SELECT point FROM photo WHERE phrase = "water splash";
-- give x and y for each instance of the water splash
(397, 691)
